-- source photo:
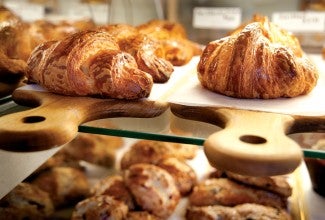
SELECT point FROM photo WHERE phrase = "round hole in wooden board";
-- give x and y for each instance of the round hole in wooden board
(33, 119)
(252, 139)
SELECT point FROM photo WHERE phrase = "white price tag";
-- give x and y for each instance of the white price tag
(300, 21)
(216, 17)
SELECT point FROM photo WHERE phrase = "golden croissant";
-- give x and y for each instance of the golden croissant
(148, 53)
(178, 49)
(259, 60)
(88, 63)
(18, 38)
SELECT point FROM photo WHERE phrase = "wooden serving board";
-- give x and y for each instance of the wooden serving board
(54, 120)
(253, 139)
(252, 142)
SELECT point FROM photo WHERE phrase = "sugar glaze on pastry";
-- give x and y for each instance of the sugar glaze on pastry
(260, 60)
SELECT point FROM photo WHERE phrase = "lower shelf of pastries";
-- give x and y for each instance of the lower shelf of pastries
(209, 193)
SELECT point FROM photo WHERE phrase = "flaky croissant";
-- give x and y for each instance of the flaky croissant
(11, 54)
(148, 53)
(259, 61)
(178, 49)
(88, 63)
(274, 33)
(18, 38)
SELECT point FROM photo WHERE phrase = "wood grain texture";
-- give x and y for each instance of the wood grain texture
(252, 142)
(54, 119)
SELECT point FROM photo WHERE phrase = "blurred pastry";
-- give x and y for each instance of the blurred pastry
(26, 201)
(14, 48)
(7, 15)
(148, 53)
(119, 31)
(99, 207)
(59, 159)
(146, 151)
(58, 30)
(223, 191)
(275, 184)
(19, 38)
(183, 174)
(260, 60)
(141, 215)
(94, 148)
(161, 29)
(184, 151)
(179, 50)
(115, 187)
(245, 211)
(153, 188)
(313, 5)
(65, 185)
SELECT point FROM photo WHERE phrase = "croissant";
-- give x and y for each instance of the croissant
(11, 57)
(259, 61)
(8, 16)
(274, 33)
(120, 31)
(18, 38)
(172, 35)
(88, 63)
(147, 52)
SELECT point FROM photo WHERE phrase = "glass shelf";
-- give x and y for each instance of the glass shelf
(170, 138)
(165, 127)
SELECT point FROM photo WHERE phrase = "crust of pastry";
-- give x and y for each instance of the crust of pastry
(148, 53)
(259, 61)
(88, 63)
(153, 188)
(178, 49)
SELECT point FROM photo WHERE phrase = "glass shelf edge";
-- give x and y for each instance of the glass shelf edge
(170, 138)
(141, 135)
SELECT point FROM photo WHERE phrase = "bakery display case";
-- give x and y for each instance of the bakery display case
(86, 146)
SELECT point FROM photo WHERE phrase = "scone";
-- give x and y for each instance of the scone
(141, 215)
(183, 174)
(146, 151)
(59, 159)
(245, 211)
(26, 201)
(153, 189)
(65, 185)
(99, 207)
(115, 187)
(94, 148)
(223, 191)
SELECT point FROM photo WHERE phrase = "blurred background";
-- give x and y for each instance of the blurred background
(198, 16)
